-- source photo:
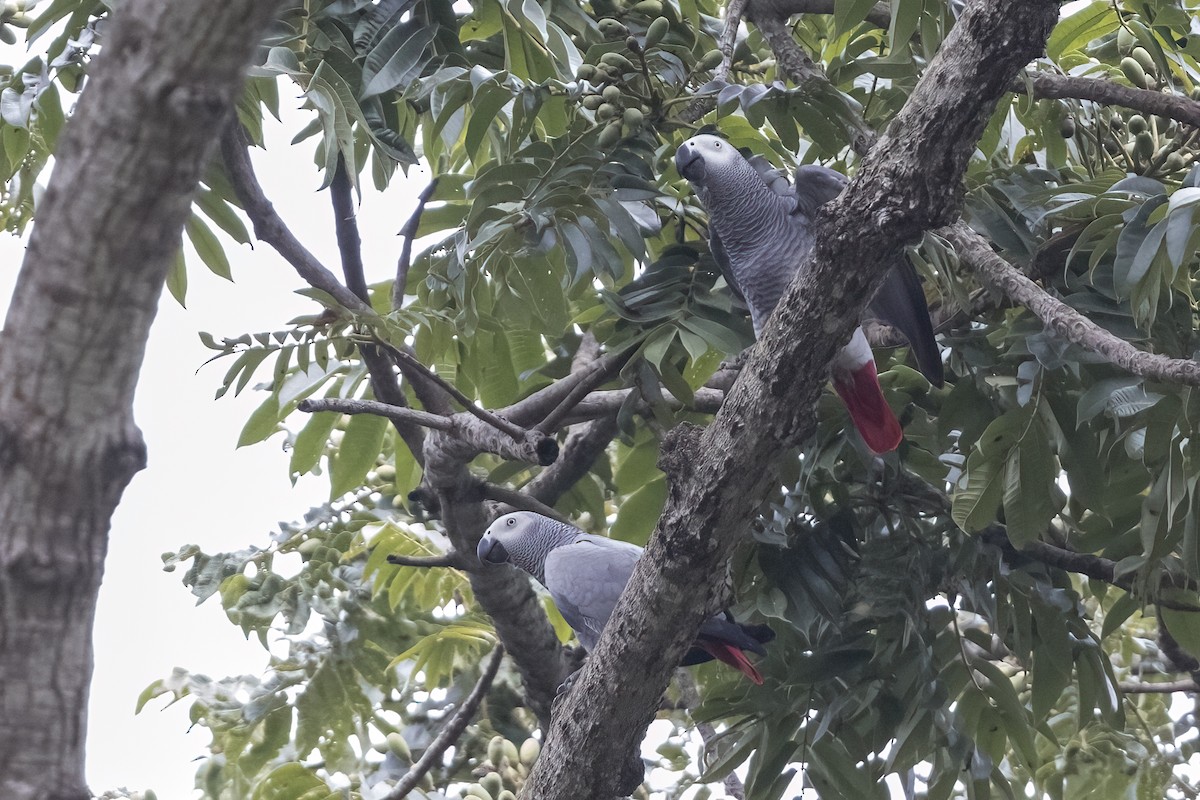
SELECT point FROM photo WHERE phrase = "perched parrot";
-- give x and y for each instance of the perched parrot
(586, 574)
(759, 234)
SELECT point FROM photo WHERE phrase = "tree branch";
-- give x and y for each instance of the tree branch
(607, 402)
(397, 414)
(409, 232)
(531, 447)
(880, 14)
(450, 733)
(583, 446)
(384, 383)
(728, 39)
(270, 228)
(1061, 318)
(1053, 86)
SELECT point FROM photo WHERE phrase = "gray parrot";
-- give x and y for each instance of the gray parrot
(759, 235)
(586, 574)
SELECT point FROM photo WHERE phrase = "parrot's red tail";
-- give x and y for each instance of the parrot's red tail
(873, 417)
(728, 654)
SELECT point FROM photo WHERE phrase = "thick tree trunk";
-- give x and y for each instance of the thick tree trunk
(72, 347)
(910, 182)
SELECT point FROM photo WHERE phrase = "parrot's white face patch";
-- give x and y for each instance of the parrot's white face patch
(697, 157)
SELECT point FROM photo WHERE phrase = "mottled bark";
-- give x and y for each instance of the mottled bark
(910, 182)
(74, 339)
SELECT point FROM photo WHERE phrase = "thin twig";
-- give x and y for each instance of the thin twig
(409, 232)
(453, 559)
(398, 414)
(270, 228)
(598, 373)
(499, 423)
(511, 497)
(449, 734)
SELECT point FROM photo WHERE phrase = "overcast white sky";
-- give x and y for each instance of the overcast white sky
(198, 488)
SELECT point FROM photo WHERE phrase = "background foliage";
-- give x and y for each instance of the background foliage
(918, 651)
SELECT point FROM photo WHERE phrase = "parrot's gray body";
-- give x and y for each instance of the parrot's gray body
(759, 234)
(585, 574)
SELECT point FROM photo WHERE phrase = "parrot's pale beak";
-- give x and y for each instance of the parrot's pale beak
(491, 551)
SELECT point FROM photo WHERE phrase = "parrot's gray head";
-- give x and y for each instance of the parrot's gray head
(524, 539)
(706, 158)
(735, 195)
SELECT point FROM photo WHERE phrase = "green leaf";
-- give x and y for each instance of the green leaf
(1184, 627)
(310, 442)
(396, 59)
(1030, 500)
(489, 98)
(849, 13)
(638, 514)
(974, 506)
(208, 247)
(1128, 268)
(262, 423)
(1076, 30)
(357, 453)
(222, 213)
(177, 279)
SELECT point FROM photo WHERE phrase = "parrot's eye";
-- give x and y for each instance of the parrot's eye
(717, 145)
(512, 522)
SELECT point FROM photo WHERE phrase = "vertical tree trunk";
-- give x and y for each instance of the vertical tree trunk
(72, 347)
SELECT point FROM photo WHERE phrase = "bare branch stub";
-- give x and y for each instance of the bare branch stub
(398, 414)
(1167, 687)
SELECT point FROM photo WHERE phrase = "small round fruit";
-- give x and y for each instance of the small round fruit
(657, 30)
(1133, 71)
(610, 135)
(709, 60)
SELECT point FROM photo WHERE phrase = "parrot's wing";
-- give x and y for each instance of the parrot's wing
(900, 302)
(722, 258)
(586, 579)
(815, 186)
(775, 178)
